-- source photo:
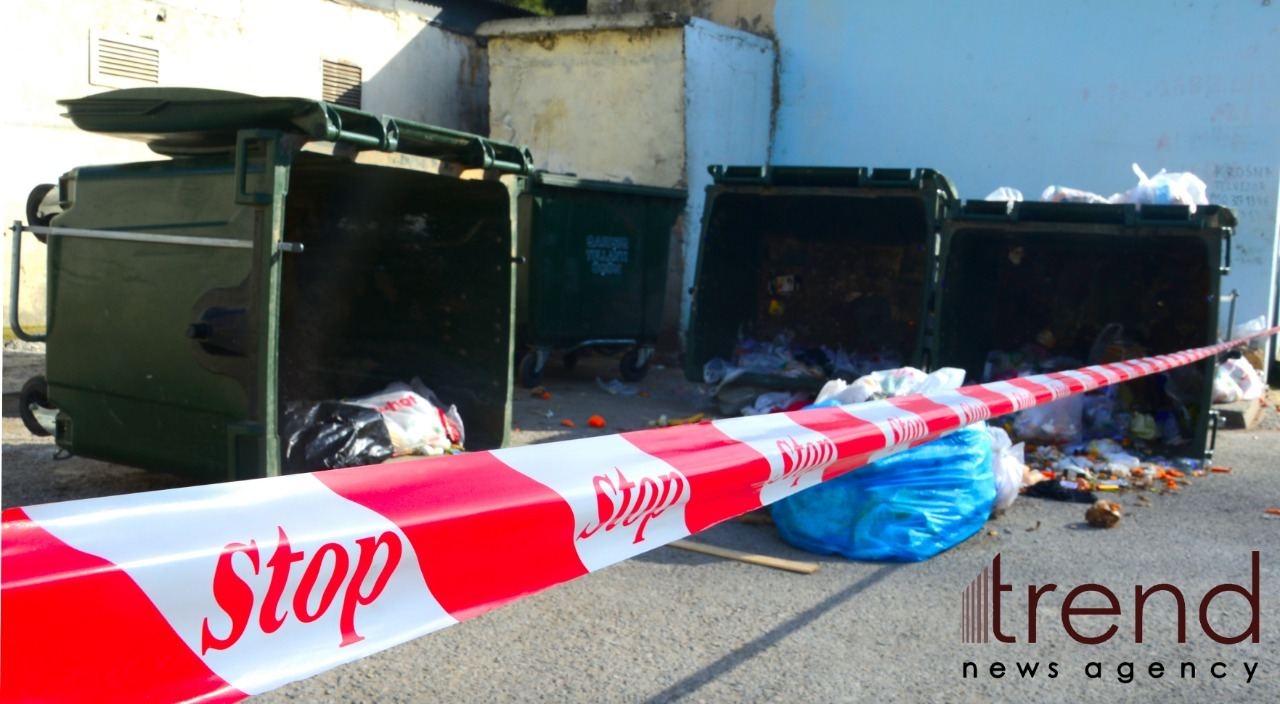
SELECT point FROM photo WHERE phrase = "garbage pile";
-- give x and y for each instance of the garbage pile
(784, 358)
(748, 383)
(1164, 188)
(400, 420)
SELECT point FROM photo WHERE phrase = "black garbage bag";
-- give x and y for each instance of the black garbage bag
(332, 434)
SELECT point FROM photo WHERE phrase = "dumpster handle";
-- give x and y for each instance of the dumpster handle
(1226, 267)
(153, 238)
(15, 265)
(140, 237)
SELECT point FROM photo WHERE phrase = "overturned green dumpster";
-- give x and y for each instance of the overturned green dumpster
(289, 250)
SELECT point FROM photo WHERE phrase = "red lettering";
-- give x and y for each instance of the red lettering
(1140, 603)
(1068, 611)
(1255, 621)
(364, 563)
(281, 560)
(651, 497)
(312, 574)
(233, 595)
(1033, 602)
(998, 587)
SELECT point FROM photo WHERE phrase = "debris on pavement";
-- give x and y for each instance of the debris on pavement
(663, 421)
(596, 421)
(747, 557)
(615, 387)
(1103, 514)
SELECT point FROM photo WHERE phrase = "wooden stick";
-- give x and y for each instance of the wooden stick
(763, 560)
(756, 519)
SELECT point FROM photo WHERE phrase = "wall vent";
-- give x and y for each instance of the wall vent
(342, 84)
(118, 61)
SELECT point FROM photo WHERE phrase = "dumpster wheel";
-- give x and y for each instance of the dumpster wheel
(35, 394)
(630, 366)
(35, 217)
(529, 373)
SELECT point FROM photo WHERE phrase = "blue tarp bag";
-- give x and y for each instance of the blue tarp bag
(905, 508)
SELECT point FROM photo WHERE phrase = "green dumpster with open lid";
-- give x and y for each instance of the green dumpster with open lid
(835, 263)
(290, 250)
(1038, 286)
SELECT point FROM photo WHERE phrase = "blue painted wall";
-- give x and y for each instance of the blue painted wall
(1031, 93)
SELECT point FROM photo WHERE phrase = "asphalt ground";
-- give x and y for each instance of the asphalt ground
(676, 626)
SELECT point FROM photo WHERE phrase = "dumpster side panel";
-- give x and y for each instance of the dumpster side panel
(131, 384)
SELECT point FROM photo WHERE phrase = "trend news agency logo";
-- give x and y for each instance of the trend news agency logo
(983, 618)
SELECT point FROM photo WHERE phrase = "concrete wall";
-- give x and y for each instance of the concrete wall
(410, 69)
(597, 101)
(755, 16)
(635, 98)
(1028, 94)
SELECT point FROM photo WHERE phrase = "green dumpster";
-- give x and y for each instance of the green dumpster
(1040, 286)
(290, 250)
(597, 266)
(853, 270)
(837, 261)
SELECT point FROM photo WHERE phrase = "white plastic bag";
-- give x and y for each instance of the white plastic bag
(1251, 327)
(1246, 377)
(1005, 193)
(1225, 389)
(1059, 422)
(1182, 188)
(414, 419)
(1008, 465)
(863, 389)
(1062, 194)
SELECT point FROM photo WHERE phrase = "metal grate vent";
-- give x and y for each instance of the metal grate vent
(123, 62)
(342, 83)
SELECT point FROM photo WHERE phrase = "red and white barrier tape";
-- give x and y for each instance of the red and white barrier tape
(213, 593)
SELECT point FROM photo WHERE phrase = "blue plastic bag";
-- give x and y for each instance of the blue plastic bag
(905, 508)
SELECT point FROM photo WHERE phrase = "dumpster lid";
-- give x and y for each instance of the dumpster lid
(185, 121)
(832, 177)
(981, 213)
(547, 178)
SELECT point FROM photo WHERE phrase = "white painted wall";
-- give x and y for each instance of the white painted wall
(1030, 93)
(410, 68)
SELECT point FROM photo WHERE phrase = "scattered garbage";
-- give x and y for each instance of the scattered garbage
(567, 423)
(783, 358)
(774, 401)
(596, 421)
(1049, 489)
(1272, 511)
(540, 392)
(907, 507)
(402, 419)
(1237, 380)
(664, 422)
(1009, 468)
(1103, 514)
(1005, 193)
(1164, 188)
(332, 434)
(616, 388)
